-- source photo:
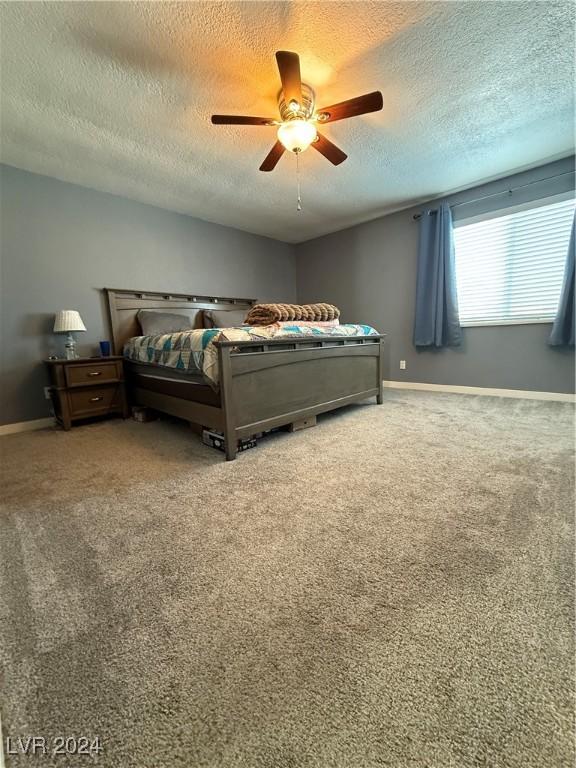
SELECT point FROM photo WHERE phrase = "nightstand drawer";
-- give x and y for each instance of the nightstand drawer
(94, 373)
(88, 400)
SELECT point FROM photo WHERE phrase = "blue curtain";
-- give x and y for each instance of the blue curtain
(436, 323)
(563, 328)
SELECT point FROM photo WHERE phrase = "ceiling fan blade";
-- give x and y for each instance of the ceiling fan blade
(272, 157)
(329, 150)
(242, 120)
(289, 67)
(370, 102)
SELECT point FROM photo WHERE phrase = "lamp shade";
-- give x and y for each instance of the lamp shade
(297, 135)
(68, 320)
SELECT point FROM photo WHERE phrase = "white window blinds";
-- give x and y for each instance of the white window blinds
(509, 269)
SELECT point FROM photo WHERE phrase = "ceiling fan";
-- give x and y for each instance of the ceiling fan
(297, 127)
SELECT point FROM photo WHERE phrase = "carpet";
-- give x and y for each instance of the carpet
(393, 587)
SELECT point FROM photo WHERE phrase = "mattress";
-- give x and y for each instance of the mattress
(194, 352)
(182, 384)
(152, 370)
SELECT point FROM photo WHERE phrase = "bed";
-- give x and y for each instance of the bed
(263, 383)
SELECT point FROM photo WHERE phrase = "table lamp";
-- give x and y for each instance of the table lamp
(69, 321)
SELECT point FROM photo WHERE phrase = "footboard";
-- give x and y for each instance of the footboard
(267, 385)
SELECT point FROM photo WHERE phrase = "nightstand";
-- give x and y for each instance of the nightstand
(86, 387)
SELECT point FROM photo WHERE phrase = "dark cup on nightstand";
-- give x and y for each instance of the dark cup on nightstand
(105, 348)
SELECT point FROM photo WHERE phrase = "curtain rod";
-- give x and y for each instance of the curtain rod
(502, 192)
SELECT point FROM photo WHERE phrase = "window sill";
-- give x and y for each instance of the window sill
(488, 323)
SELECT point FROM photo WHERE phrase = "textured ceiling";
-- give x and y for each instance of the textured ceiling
(118, 97)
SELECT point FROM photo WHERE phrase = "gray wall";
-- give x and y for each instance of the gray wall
(370, 272)
(62, 243)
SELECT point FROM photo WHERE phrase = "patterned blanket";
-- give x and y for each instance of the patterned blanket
(195, 351)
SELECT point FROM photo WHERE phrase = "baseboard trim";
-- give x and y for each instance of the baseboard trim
(524, 394)
(26, 426)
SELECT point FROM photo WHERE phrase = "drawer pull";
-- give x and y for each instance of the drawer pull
(95, 399)
(94, 373)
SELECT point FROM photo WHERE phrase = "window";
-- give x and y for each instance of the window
(509, 268)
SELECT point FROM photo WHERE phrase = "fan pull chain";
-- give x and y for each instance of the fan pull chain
(299, 199)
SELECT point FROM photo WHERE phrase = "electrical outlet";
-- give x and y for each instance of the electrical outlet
(402, 365)
(47, 394)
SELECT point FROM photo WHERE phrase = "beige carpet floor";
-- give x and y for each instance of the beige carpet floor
(391, 588)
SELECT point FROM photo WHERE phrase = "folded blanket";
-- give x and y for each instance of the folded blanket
(266, 314)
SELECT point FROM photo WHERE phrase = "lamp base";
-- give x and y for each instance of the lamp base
(70, 348)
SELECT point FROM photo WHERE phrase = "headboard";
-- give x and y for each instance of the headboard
(123, 306)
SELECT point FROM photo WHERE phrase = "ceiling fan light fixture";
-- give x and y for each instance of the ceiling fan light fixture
(296, 135)
(299, 116)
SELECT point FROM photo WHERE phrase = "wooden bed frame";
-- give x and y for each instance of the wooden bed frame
(263, 384)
